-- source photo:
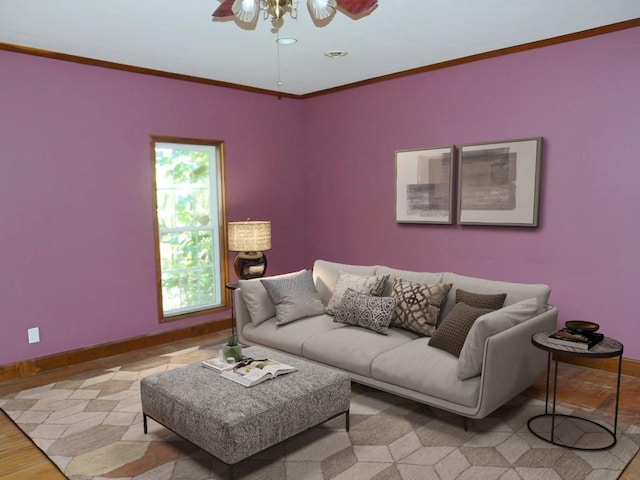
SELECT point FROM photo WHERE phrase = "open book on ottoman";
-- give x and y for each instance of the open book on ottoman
(219, 364)
(256, 371)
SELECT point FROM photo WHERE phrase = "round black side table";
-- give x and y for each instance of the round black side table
(608, 347)
(233, 286)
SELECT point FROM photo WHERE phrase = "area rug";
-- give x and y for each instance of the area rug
(91, 427)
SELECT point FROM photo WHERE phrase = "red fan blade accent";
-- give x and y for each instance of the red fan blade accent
(357, 7)
(224, 10)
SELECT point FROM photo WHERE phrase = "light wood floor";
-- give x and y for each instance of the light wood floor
(582, 388)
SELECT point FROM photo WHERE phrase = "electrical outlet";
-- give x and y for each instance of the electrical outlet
(34, 335)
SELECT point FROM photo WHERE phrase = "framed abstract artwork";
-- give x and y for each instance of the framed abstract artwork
(424, 185)
(499, 183)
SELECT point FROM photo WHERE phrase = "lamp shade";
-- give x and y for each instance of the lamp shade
(249, 236)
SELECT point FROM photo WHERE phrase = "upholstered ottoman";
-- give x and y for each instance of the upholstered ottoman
(233, 422)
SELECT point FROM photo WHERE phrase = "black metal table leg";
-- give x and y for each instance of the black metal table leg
(606, 348)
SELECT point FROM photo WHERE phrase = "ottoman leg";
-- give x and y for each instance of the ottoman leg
(144, 423)
(347, 420)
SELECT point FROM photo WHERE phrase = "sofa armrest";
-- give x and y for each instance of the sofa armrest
(511, 362)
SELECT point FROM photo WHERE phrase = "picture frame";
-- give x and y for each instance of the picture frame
(499, 183)
(424, 185)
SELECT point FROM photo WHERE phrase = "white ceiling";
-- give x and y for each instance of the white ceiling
(178, 36)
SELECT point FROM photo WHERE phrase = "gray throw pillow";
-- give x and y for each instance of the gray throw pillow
(367, 284)
(294, 297)
(481, 300)
(418, 305)
(453, 330)
(367, 311)
(256, 298)
(472, 353)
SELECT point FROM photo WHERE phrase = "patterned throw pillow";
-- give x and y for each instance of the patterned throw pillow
(479, 300)
(294, 297)
(367, 284)
(418, 305)
(366, 311)
(453, 331)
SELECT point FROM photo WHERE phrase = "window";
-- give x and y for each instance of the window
(190, 234)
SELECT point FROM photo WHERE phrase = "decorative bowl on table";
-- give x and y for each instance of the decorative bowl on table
(580, 326)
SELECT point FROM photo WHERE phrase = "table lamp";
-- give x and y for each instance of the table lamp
(250, 239)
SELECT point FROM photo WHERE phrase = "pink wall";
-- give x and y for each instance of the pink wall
(75, 186)
(582, 97)
(76, 256)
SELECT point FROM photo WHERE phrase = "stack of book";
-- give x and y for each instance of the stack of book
(570, 338)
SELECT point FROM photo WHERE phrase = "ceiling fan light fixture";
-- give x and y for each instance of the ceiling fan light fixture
(277, 8)
(246, 10)
(321, 9)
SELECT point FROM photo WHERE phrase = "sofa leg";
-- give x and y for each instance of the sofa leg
(464, 422)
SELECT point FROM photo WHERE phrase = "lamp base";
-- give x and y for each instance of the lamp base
(250, 265)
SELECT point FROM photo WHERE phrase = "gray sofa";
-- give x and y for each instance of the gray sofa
(403, 362)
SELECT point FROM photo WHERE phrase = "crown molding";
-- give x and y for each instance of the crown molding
(614, 27)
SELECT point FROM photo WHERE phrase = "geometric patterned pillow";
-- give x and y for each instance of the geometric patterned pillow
(453, 330)
(366, 311)
(368, 284)
(418, 305)
(479, 300)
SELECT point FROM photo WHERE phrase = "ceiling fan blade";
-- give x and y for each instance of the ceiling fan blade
(357, 7)
(224, 10)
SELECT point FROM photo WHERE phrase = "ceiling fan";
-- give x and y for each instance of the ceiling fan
(246, 11)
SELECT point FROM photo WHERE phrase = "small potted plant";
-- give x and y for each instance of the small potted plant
(232, 348)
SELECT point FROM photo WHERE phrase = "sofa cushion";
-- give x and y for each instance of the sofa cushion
(479, 300)
(418, 277)
(367, 284)
(256, 298)
(430, 371)
(290, 337)
(472, 353)
(367, 311)
(516, 292)
(294, 297)
(353, 348)
(418, 305)
(325, 275)
(452, 333)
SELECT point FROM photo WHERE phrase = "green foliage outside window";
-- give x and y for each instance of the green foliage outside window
(186, 191)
